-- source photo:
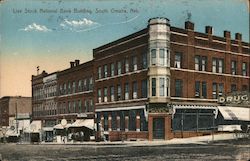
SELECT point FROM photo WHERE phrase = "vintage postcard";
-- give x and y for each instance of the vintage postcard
(124, 80)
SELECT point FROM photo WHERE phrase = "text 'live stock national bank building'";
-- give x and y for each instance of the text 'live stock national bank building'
(161, 82)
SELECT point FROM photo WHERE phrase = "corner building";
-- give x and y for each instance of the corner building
(164, 82)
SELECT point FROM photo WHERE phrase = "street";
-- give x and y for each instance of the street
(223, 150)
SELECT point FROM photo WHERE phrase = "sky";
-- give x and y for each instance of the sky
(51, 33)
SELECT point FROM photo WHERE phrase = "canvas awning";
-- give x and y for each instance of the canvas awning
(235, 113)
(88, 123)
(47, 128)
(60, 127)
(11, 133)
(34, 127)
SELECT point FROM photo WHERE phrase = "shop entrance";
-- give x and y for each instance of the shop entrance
(158, 128)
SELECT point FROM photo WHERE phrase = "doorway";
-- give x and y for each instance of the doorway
(158, 128)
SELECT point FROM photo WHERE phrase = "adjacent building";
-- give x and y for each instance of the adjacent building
(158, 83)
(15, 112)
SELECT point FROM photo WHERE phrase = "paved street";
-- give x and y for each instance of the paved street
(223, 150)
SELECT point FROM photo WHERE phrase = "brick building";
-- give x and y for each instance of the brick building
(15, 112)
(158, 83)
(147, 82)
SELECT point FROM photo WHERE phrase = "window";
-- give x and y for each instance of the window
(122, 120)
(61, 89)
(178, 59)
(132, 120)
(69, 88)
(99, 94)
(119, 67)
(105, 117)
(144, 61)
(79, 85)
(153, 57)
(200, 63)
(113, 120)
(134, 62)
(105, 72)
(168, 85)
(126, 65)
(197, 89)
(105, 94)
(112, 96)
(244, 88)
(126, 91)
(69, 107)
(74, 106)
(178, 88)
(153, 86)
(220, 89)
(86, 104)
(204, 90)
(218, 65)
(214, 90)
(119, 93)
(112, 69)
(162, 86)
(134, 90)
(74, 87)
(144, 90)
(233, 87)
(79, 106)
(221, 66)
(162, 57)
(233, 68)
(90, 83)
(85, 84)
(214, 66)
(91, 105)
(99, 72)
(244, 69)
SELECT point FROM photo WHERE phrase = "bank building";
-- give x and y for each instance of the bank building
(161, 82)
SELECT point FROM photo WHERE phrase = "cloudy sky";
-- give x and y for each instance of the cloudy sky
(50, 33)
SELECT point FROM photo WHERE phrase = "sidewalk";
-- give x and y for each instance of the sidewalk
(192, 140)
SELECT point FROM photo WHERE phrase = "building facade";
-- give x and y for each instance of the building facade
(158, 83)
(15, 114)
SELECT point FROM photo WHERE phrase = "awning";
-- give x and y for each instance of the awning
(121, 108)
(60, 127)
(89, 123)
(34, 127)
(11, 133)
(235, 113)
(47, 128)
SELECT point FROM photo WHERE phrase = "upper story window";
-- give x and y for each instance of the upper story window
(244, 69)
(99, 72)
(178, 60)
(134, 62)
(79, 106)
(61, 89)
(134, 90)
(200, 63)
(220, 89)
(105, 71)
(126, 65)
(197, 89)
(85, 84)
(144, 88)
(112, 69)
(119, 93)
(79, 85)
(119, 68)
(90, 83)
(126, 91)
(105, 94)
(64, 88)
(233, 87)
(162, 86)
(99, 95)
(162, 57)
(218, 65)
(244, 88)
(217, 90)
(200, 89)
(153, 57)
(178, 87)
(168, 86)
(233, 67)
(69, 88)
(153, 86)
(204, 89)
(74, 87)
(112, 96)
(144, 61)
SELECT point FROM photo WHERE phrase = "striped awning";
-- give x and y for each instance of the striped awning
(235, 113)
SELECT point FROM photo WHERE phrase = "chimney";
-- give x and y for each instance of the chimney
(227, 34)
(209, 30)
(77, 62)
(72, 64)
(238, 36)
(189, 25)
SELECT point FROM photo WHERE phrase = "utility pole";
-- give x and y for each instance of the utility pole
(16, 120)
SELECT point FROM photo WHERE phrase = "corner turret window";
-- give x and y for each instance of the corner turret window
(153, 57)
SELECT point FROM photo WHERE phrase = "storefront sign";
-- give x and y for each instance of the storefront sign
(235, 98)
